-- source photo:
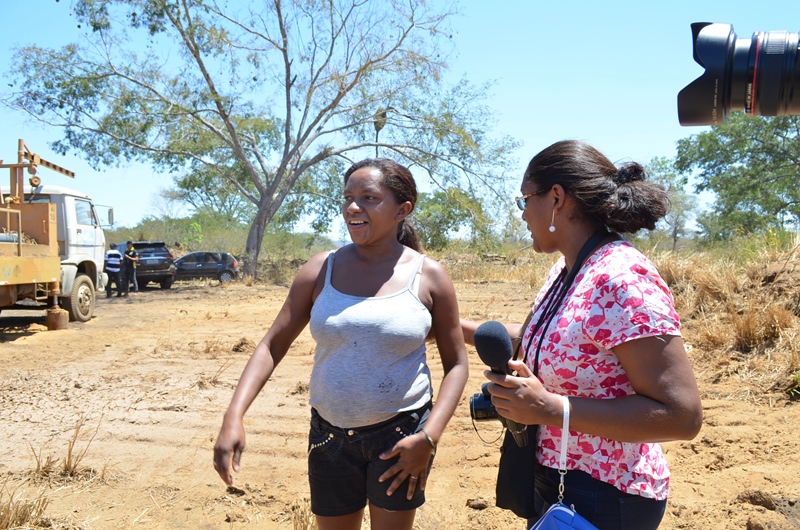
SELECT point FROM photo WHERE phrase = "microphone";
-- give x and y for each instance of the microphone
(494, 348)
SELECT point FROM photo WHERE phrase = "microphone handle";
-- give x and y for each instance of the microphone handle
(517, 430)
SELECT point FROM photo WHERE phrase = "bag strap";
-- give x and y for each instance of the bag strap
(562, 457)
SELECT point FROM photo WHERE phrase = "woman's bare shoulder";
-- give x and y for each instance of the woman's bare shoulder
(434, 268)
(436, 277)
(312, 268)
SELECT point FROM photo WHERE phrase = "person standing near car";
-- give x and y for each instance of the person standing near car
(370, 306)
(113, 263)
(130, 257)
(134, 275)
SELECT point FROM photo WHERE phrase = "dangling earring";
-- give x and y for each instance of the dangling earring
(553, 222)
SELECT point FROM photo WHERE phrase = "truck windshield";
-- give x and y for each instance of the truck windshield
(37, 199)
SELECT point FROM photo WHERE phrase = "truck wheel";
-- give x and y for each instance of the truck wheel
(166, 284)
(80, 302)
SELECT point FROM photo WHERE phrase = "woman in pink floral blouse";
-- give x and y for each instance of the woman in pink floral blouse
(607, 336)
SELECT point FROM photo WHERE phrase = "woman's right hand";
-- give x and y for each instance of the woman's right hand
(523, 398)
(228, 449)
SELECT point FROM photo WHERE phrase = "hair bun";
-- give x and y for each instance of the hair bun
(628, 173)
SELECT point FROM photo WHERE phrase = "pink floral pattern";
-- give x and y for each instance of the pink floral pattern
(617, 296)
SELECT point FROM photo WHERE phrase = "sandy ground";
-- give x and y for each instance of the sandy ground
(150, 377)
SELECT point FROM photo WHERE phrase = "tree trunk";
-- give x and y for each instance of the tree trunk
(675, 234)
(254, 238)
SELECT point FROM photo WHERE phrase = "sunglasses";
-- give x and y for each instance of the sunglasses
(523, 201)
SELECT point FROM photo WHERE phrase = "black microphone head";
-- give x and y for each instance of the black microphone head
(494, 345)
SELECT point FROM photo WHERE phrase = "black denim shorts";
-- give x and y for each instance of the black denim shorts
(344, 464)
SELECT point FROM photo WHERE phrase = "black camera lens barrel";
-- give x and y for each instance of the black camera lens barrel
(760, 75)
(741, 85)
(481, 408)
(775, 73)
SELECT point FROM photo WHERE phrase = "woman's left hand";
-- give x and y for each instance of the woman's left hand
(522, 398)
(414, 455)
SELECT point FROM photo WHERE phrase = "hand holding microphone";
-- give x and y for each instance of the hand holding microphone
(494, 348)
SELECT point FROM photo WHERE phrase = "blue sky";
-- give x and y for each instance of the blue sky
(604, 72)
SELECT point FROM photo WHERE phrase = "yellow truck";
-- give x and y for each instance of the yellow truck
(51, 243)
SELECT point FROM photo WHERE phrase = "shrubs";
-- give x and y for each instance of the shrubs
(739, 308)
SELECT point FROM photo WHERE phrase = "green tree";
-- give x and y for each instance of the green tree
(269, 90)
(210, 188)
(682, 204)
(195, 236)
(752, 164)
(440, 214)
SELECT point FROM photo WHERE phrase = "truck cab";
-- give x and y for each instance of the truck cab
(81, 242)
(52, 247)
(81, 246)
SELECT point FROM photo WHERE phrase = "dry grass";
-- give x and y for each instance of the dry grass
(72, 461)
(278, 269)
(45, 466)
(719, 283)
(244, 345)
(19, 512)
(711, 333)
(69, 468)
(698, 283)
(740, 313)
(210, 349)
(213, 381)
(760, 324)
(517, 266)
(302, 518)
(794, 359)
(164, 346)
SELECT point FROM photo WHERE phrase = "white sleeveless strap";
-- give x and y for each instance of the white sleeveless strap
(330, 268)
(413, 285)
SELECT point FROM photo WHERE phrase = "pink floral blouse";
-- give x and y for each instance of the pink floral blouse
(617, 296)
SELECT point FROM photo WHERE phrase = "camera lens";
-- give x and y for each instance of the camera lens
(481, 408)
(760, 75)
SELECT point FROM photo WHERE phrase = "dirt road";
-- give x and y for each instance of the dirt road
(150, 377)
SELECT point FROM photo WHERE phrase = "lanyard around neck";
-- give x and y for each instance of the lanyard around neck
(556, 294)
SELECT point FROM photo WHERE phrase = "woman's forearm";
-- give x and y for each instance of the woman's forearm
(254, 376)
(468, 328)
(634, 418)
(450, 392)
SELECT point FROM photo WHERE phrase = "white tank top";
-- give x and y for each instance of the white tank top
(369, 362)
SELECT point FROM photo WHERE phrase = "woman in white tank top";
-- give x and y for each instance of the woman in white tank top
(370, 304)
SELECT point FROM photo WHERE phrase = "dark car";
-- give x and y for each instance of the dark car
(156, 263)
(218, 265)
